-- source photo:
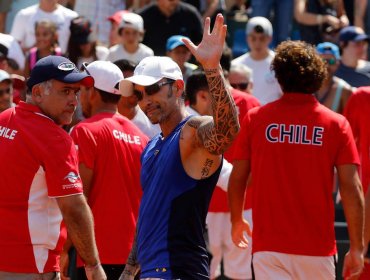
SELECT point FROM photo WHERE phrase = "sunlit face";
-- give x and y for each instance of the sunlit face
(180, 55)
(58, 102)
(357, 49)
(258, 42)
(158, 106)
(239, 81)
(86, 49)
(44, 37)
(6, 95)
(130, 36)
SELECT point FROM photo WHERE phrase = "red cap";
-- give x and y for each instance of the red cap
(117, 16)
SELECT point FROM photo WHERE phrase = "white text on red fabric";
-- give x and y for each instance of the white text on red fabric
(7, 132)
(131, 139)
(295, 134)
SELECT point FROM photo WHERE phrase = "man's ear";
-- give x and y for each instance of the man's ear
(180, 85)
(36, 94)
(203, 94)
(93, 94)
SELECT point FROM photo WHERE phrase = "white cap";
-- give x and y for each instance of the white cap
(4, 76)
(260, 25)
(149, 71)
(132, 20)
(106, 75)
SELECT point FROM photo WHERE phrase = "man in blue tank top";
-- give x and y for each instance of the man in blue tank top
(180, 166)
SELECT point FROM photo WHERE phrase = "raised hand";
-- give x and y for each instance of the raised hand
(209, 50)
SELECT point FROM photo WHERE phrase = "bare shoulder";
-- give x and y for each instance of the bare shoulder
(195, 127)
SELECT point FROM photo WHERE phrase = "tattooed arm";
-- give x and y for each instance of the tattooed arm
(217, 133)
(132, 267)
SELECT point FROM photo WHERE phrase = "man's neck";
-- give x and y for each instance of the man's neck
(129, 112)
(104, 108)
(48, 6)
(169, 125)
(131, 48)
(259, 55)
(349, 60)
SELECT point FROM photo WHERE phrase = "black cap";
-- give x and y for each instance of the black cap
(57, 68)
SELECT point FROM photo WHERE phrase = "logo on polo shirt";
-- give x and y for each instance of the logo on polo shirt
(66, 66)
(72, 177)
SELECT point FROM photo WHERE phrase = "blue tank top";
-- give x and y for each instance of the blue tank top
(172, 213)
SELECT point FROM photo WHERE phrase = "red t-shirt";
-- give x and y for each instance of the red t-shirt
(294, 144)
(244, 102)
(111, 146)
(38, 163)
(357, 112)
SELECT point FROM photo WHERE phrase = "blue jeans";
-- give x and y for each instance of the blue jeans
(283, 16)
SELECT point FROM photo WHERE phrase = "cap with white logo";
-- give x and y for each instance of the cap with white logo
(106, 75)
(58, 68)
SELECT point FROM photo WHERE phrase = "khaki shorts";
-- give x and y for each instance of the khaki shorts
(279, 266)
(236, 261)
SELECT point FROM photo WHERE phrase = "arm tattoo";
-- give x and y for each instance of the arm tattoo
(206, 168)
(132, 258)
(218, 134)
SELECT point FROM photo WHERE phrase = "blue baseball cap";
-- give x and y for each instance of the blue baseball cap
(328, 48)
(175, 41)
(58, 68)
(352, 33)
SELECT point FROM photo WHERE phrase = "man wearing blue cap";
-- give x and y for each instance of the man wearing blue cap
(334, 92)
(354, 69)
(43, 196)
(176, 49)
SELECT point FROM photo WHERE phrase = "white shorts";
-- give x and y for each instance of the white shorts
(236, 261)
(279, 266)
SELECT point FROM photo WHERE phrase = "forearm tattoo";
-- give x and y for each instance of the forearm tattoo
(218, 134)
(132, 258)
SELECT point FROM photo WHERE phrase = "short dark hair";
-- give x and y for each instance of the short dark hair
(298, 67)
(125, 65)
(107, 97)
(196, 81)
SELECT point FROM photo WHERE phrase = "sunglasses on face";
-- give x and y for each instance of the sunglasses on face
(241, 86)
(3, 91)
(330, 61)
(152, 89)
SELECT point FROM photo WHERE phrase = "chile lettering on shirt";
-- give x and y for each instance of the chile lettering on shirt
(131, 139)
(7, 132)
(294, 134)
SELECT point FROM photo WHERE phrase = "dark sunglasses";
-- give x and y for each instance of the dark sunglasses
(242, 86)
(152, 89)
(2, 91)
(330, 61)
